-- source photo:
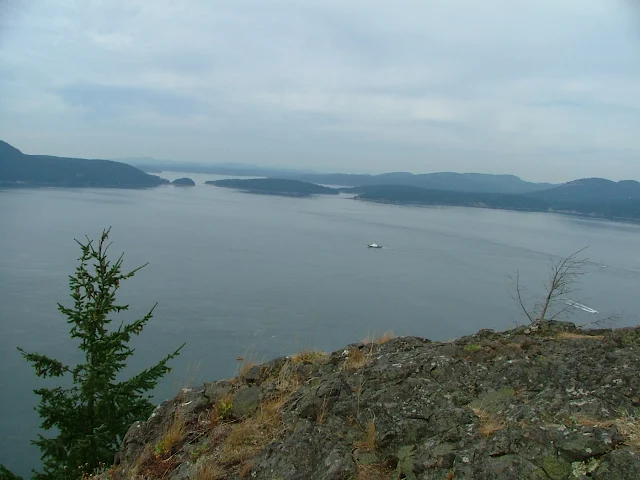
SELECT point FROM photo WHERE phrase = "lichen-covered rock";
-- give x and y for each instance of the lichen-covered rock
(546, 401)
(618, 464)
(215, 391)
(245, 402)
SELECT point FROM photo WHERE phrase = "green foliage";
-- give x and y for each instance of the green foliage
(92, 416)
(472, 347)
(225, 407)
(5, 474)
(199, 451)
(406, 456)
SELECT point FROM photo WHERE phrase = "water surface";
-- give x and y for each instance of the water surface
(259, 276)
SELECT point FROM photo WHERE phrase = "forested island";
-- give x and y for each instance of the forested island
(275, 186)
(20, 170)
(184, 182)
(594, 197)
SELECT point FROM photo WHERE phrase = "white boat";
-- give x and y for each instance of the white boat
(374, 245)
(580, 306)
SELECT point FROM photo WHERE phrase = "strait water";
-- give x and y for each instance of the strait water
(237, 274)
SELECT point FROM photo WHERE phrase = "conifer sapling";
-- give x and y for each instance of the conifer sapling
(91, 416)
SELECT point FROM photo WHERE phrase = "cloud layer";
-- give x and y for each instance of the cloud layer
(547, 90)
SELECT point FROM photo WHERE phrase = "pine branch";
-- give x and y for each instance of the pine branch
(6, 474)
(45, 366)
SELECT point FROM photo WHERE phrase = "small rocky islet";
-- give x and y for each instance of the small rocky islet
(184, 182)
(542, 401)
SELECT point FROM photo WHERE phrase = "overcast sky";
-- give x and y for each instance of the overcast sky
(545, 89)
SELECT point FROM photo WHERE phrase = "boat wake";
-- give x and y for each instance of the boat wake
(580, 306)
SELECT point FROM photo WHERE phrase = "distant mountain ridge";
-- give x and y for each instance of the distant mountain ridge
(150, 164)
(455, 182)
(19, 169)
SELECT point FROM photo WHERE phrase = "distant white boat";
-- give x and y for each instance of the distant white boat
(580, 306)
(602, 265)
(374, 245)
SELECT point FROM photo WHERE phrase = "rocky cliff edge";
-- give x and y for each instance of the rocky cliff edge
(547, 401)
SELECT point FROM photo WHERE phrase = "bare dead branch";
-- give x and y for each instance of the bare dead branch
(563, 276)
(518, 298)
(606, 322)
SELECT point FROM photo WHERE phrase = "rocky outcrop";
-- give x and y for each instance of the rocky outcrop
(548, 401)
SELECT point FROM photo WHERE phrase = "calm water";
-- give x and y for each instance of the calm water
(260, 276)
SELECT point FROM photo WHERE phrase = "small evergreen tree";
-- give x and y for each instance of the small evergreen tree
(92, 416)
(6, 474)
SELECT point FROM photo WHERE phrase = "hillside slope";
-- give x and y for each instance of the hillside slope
(537, 402)
(588, 197)
(591, 190)
(18, 169)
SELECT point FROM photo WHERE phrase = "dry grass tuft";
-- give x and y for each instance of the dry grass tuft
(578, 336)
(244, 367)
(384, 338)
(374, 471)
(242, 443)
(288, 379)
(250, 436)
(150, 465)
(629, 427)
(358, 358)
(209, 471)
(588, 421)
(172, 438)
(488, 423)
(245, 470)
(309, 356)
(324, 411)
(368, 442)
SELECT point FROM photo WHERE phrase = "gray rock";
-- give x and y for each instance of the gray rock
(191, 402)
(580, 446)
(618, 464)
(245, 402)
(253, 376)
(523, 404)
(214, 391)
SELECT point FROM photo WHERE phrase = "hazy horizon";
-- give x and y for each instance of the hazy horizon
(547, 91)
